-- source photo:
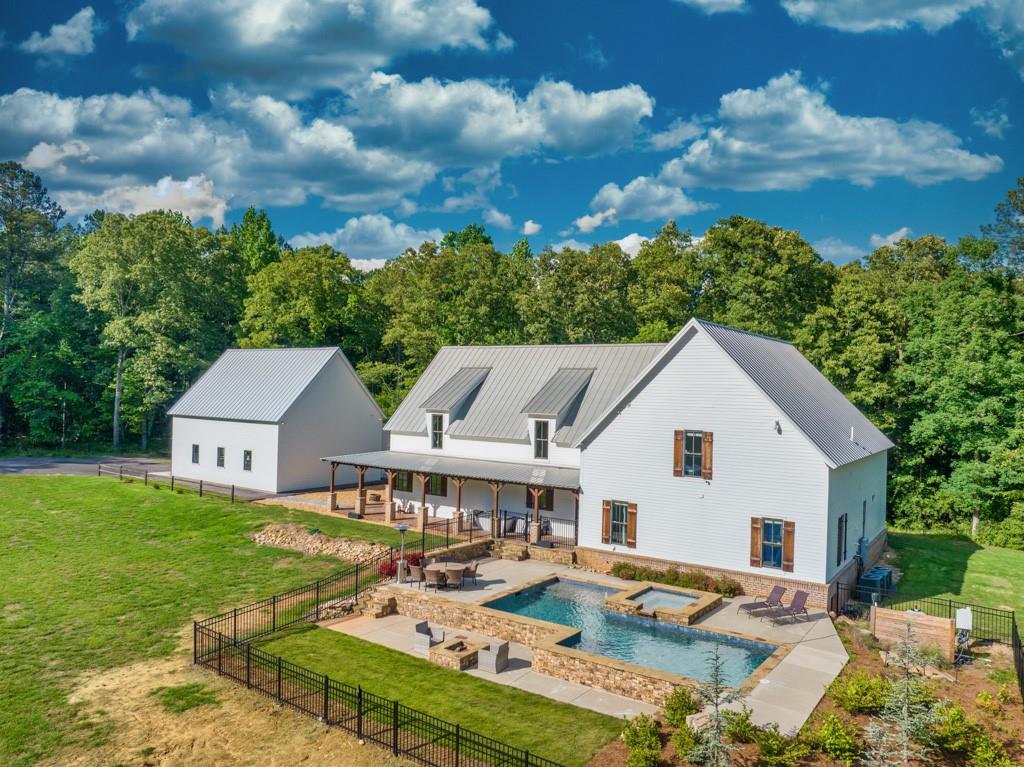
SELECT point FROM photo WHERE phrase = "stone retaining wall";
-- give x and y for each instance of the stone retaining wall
(464, 552)
(590, 670)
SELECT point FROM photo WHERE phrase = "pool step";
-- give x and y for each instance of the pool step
(514, 550)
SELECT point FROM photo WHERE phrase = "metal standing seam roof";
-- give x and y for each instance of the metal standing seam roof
(470, 468)
(559, 392)
(253, 384)
(517, 374)
(455, 389)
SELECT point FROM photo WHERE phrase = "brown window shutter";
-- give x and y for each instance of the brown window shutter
(677, 454)
(631, 525)
(755, 541)
(788, 534)
(707, 455)
(606, 521)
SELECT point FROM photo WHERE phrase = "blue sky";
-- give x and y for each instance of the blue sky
(374, 124)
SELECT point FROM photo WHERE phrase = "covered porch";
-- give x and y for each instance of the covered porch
(535, 503)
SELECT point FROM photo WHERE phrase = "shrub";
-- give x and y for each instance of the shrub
(624, 570)
(988, 753)
(956, 731)
(388, 569)
(739, 727)
(860, 692)
(643, 740)
(835, 738)
(776, 750)
(688, 579)
(684, 740)
(988, 703)
(1005, 695)
(680, 704)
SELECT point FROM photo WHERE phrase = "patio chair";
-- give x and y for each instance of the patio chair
(427, 637)
(494, 659)
(416, 575)
(796, 607)
(470, 571)
(433, 578)
(774, 599)
(454, 577)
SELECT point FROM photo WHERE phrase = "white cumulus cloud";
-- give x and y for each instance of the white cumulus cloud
(530, 227)
(675, 135)
(494, 217)
(75, 37)
(994, 122)
(370, 240)
(50, 157)
(785, 135)
(589, 222)
(194, 197)
(646, 199)
(882, 240)
(837, 250)
(631, 243)
(716, 6)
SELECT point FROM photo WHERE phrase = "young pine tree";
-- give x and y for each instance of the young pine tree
(714, 694)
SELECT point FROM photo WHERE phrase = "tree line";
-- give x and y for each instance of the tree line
(107, 322)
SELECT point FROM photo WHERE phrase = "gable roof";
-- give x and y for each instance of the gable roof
(455, 389)
(256, 384)
(817, 408)
(517, 375)
(559, 392)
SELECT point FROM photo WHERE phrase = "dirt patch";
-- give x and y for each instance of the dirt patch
(242, 729)
(299, 538)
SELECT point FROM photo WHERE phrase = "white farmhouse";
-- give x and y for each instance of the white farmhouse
(262, 418)
(722, 450)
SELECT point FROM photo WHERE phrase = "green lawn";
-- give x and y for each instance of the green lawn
(557, 731)
(952, 566)
(96, 574)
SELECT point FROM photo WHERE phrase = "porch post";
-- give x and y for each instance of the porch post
(389, 497)
(421, 516)
(458, 501)
(332, 496)
(535, 524)
(495, 491)
(360, 506)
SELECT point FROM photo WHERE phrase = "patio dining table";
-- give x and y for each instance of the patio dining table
(445, 568)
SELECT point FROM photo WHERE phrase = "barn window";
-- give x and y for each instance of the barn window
(540, 439)
(771, 543)
(247, 460)
(437, 431)
(220, 457)
(620, 522)
(195, 453)
(693, 453)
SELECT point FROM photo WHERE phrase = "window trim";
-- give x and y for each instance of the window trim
(247, 460)
(623, 525)
(767, 545)
(694, 468)
(220, 458)
(538, 441)
(195, 453)
(437, 431)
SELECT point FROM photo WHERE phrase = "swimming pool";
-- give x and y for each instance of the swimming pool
(646, 642)
(652, 599)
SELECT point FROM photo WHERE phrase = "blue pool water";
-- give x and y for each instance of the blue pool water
(655, 598)
(644, 641)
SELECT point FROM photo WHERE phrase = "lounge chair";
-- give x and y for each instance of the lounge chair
(796, 607)
(774, 599)
(433, 578)
(494, 659)
(415, 575)
(427, 637)
(454, 577)
(470, 571)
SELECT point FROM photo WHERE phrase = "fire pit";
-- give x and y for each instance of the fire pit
(457, 654)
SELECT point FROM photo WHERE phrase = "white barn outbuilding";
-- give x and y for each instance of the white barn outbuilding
(262, 419)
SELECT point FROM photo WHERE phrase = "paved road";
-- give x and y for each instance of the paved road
(37, 465)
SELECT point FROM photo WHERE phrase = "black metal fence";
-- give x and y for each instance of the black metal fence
(162, 479)
(555, 532)
(223, 644)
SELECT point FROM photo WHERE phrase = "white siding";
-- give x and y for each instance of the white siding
(487, 450)
(477, 495)
(333, 416)
(757, 471)
(850, 487)
(234, 437)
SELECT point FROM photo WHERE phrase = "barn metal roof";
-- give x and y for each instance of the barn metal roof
(559, 392)
(253, 384)
(470, 468)
(455, 389)
(822, 413)
(518, 374)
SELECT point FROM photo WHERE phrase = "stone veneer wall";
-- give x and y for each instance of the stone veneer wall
(463, 552)
(650, 687)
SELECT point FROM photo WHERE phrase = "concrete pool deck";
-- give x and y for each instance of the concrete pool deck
(785, 695)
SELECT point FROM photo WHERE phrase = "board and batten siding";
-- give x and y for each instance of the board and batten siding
(757, 471)
(333, 416)
(235, 437)
(849, 487)
(488, 450)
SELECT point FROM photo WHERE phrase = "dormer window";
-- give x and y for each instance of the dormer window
(540, 439)
(436, 431)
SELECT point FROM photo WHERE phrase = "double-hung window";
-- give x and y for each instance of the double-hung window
(841, 541)
(619, 522)
(437, 485)
(693, 453)
(195, 453)
(436, 431)
(220, 457)
(771, 543)
(247, 460)
(403, 481)
(540, 439)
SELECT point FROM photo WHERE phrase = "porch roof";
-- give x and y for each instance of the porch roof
(468, 468)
